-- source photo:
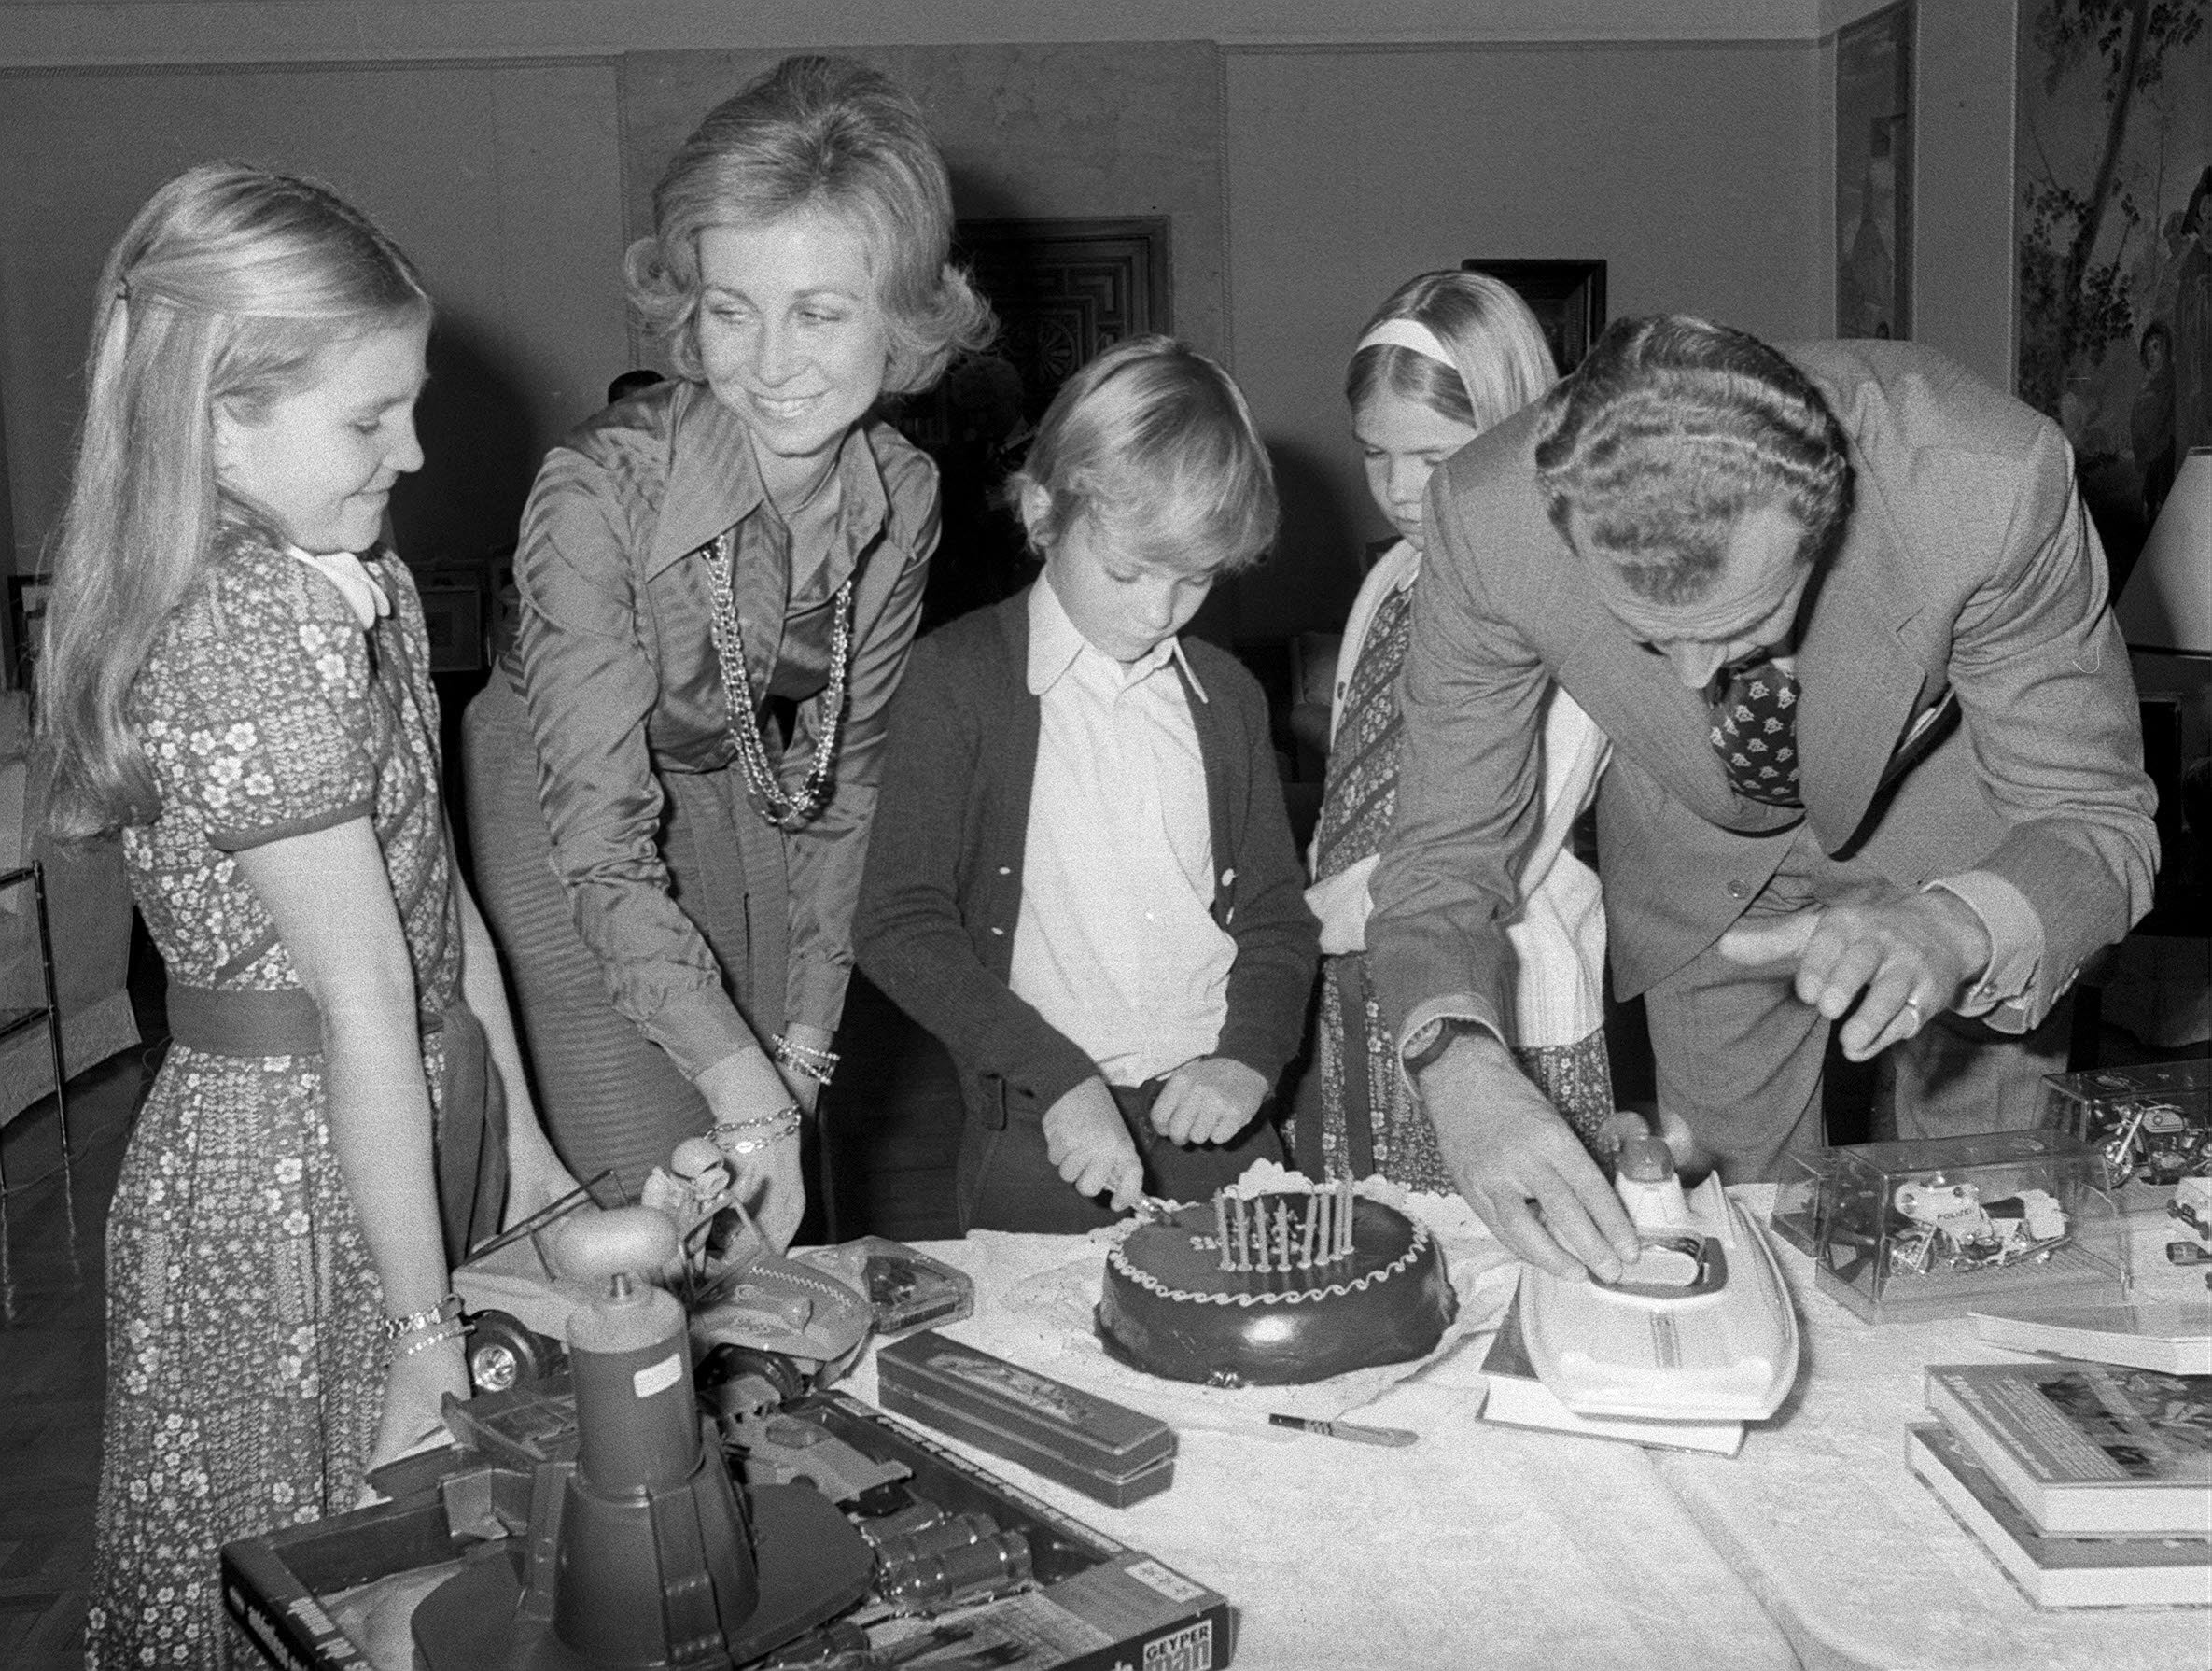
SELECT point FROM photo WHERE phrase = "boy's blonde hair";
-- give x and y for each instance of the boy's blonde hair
(1153, 441)
(229, 287)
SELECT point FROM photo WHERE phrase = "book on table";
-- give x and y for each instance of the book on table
(2175, 1336)
(2087, 1448)
(1516, 1398)
(2057, 1571)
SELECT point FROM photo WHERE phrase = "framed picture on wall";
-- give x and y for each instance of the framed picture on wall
(1874, 174)
(453, 621)
(1568, 298)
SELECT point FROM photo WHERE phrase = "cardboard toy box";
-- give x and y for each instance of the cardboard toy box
(1093, 1604)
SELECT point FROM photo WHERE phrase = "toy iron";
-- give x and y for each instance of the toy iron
(1699, 1329)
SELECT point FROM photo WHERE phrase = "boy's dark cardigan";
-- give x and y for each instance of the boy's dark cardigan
(941, 894)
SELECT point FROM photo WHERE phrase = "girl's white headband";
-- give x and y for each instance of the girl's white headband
(1407, 333)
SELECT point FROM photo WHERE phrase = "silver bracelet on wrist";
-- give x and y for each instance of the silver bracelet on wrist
(759, 1132)
(429, 1317)
(449, 1330)
(808, 1060)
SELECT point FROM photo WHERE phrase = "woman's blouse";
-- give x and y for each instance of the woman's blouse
(615, 657)
(267, 711)
(1559, 936)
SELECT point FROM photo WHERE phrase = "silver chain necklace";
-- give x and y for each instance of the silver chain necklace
(762, 786)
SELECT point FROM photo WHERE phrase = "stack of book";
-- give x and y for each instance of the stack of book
(2090, 1484)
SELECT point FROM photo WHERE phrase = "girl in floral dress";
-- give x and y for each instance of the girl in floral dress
(236, 675)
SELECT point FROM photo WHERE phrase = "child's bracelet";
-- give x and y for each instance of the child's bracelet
(429, 1317)
(450, 1331)
(770, 1129)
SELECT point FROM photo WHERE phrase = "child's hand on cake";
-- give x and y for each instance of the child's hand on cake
(1085, 1139)
(1207, 1100)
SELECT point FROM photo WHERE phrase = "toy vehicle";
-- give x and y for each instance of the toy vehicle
(1954, 1225)
(1965, 1233)
(2156, 1143)
(518, 1299)
(2192, 1205)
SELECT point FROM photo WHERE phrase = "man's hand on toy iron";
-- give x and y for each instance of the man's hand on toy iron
(1207, 1100)
(1898, 957)
(1085, 1139)
(1520, 1166)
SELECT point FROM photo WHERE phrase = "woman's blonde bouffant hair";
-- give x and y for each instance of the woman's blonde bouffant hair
(229, 286)
(1497, 349)
(827, 135)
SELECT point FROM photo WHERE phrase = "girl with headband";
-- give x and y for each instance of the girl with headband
(1445, 357)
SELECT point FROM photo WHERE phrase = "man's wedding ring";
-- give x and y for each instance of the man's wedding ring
(1919, 1020)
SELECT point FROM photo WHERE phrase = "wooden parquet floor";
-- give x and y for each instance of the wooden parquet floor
(52, 1358)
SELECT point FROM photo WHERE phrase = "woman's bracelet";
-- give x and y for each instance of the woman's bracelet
(810, 1061)
(763, 1130)
(449, 1330)
(445, 1310)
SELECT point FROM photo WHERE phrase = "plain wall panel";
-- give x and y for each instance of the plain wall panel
(1695, 171)
(502, 180)
(1043, 131)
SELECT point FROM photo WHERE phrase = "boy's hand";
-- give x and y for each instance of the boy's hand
(1209, 1100)
(1084, 1138)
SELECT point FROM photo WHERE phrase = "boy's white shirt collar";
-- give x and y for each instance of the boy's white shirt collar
(1055, 642)
(355, 583)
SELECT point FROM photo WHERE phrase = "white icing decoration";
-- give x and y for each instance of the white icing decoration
(1118, 1258)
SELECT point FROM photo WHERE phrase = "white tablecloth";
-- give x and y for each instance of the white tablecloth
(1478, 1546)
(1857, 1559)
(1490, 1546)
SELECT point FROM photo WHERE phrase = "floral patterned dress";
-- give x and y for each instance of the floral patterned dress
(245, 1357)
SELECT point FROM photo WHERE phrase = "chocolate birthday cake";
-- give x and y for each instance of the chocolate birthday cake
(1281, 1286)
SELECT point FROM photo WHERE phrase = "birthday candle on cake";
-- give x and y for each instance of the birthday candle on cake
(1221, 1228)
(1324, 1232)
(1306, 1242)
(1344, 1216)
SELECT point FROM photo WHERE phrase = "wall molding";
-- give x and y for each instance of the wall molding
(64, 33)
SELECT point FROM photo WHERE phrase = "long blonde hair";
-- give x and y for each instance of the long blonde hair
(230, 286)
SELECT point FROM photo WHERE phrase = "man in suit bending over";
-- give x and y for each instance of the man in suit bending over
(1876, 758)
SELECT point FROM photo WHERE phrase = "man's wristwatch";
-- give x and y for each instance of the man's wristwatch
(1428, 1043)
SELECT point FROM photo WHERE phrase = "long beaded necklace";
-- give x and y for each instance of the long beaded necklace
(782, 812)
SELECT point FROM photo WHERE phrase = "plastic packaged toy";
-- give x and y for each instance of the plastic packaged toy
(1903, 1232)
(2151, 1124)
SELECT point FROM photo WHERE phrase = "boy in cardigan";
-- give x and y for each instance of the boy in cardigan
(1081, 877)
